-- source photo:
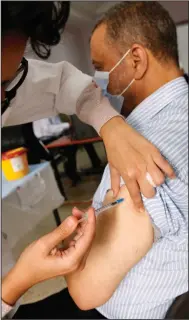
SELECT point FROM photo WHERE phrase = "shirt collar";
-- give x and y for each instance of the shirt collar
(154, 103)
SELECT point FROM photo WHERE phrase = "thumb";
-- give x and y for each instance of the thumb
(66, 228)
(115, 180)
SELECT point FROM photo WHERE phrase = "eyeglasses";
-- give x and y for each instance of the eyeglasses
(12, 86)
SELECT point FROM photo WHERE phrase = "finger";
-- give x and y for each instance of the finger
(128, 203)
(124, 193)
(81, 216)
(115, 180)
(84, 242)
(146, 188)
(55, 237)
(83, 261)
(109, 197)
(77, 213)
(53, 252)
(135, 194)
(164, 165)
(83, 224)
(58, 253)
(79, 229)
(78, 235)
(71, 244)
(156, 174)
(73, 256)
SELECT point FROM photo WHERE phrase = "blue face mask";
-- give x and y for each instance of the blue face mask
(102, 80)
(115, 101)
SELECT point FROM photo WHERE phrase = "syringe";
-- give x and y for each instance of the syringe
(103, 208)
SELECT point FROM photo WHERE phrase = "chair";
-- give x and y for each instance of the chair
(83, 132)
(186, 77)
(82, 135)
(23, 136)
(180, 308)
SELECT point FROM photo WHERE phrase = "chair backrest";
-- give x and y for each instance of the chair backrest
(180, 308)
(186, 77)
(12, 138)
(80, 130)
(37, 150)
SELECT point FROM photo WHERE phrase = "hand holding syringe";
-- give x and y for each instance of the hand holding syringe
(103, 208)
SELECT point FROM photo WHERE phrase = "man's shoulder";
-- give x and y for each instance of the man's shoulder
(168, 131)
(176, 110)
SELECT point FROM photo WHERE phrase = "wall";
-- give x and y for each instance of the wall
(71, 48)
(74, 46)
(178, 10)
(85, 38)
(182, 34)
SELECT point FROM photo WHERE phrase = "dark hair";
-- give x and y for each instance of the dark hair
(41, 21)
(143, 22)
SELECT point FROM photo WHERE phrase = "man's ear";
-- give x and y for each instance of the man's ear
(139, 57)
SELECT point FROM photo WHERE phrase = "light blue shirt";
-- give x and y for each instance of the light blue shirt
(150, 288)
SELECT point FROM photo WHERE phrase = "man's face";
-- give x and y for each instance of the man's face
(12, 51)
(105, 56)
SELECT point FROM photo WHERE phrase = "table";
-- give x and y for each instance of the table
(23, 207)
(66, 141)
(62, 143)
(9, 187)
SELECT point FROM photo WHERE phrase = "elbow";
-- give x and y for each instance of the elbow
(84, 305)
(86, 301)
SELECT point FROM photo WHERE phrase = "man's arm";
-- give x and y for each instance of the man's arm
(123, 237)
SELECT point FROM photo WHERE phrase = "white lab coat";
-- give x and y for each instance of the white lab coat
(53, 88)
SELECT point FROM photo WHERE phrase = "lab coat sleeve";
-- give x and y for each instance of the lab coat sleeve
(53, 88)
(5, 308)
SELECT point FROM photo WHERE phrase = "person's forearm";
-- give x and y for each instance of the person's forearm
(14, 285)
(114, 125)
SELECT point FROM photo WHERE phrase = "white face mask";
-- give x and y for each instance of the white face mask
(102, 80)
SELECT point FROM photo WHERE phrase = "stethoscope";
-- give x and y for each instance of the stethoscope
(9, 95)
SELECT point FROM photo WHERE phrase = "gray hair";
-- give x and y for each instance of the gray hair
(143, 22)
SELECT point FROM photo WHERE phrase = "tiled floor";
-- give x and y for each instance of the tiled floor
(84, 191)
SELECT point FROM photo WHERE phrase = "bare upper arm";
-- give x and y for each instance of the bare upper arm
(126, 233)
(123, 237)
